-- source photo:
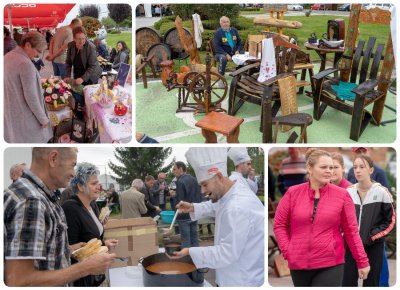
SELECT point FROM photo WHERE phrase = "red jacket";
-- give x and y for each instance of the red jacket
(308, 244)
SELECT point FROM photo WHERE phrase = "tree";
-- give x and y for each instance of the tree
(108, 22)
(257, 159)
(89, 10)
(119, 12)
(139, 162)
(127, 22)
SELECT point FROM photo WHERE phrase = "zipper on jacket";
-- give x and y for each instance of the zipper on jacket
(359, 215)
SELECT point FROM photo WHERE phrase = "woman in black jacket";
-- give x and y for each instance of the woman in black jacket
(376, 218)
(82, 215)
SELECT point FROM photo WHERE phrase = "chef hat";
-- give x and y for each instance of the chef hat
(238, 155)
(207, 162)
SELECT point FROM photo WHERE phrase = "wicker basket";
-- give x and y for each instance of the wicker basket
(198, 67)
(50, 107)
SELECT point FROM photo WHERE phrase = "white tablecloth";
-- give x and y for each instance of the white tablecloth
(130, 276)
(241, 59)
(112, 128)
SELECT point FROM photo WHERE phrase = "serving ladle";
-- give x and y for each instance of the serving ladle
(168, 232)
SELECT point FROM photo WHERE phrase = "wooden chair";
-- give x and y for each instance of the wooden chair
(302, 120)
(245, 87)
(358, 87)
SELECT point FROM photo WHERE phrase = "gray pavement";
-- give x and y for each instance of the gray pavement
(145, 21)
(275, 281)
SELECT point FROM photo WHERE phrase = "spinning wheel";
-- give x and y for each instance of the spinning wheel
(198, 88)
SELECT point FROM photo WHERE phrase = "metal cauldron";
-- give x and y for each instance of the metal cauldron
(152, 279)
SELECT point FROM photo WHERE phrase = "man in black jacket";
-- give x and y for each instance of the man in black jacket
(160, 190)
(187, 189)
(152, 208)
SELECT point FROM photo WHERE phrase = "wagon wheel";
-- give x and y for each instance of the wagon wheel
(187, 80)
(197, 88)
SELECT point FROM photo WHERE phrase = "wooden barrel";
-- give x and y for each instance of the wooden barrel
(172, 39)
(145, 38)
(161, 52)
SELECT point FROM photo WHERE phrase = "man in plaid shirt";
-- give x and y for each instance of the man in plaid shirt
(36, 249)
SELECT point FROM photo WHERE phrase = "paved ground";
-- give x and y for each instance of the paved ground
(145, 21)
(274, 281)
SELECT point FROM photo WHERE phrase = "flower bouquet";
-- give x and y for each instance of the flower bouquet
(56, 93)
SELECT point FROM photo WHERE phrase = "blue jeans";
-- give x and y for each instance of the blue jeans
(81, 103)
(59, 69)
(188, 231)
(222, 61)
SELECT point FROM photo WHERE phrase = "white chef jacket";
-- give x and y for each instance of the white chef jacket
(238, 176)
(238, 251)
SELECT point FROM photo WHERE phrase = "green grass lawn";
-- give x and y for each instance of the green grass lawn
(112, 40)
(260, 11)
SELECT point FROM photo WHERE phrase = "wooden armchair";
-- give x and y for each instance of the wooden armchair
(245, 87)
(358, 87)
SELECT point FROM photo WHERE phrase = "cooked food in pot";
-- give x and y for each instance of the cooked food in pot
(169, 268)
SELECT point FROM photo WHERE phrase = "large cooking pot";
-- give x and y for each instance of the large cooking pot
(152, 278)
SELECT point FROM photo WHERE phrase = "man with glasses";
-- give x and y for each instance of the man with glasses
(242, 162)
(25, 117)
(82, 57)
(58, 47)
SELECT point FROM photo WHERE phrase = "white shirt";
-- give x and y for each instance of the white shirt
(250, 183)
(238, 253)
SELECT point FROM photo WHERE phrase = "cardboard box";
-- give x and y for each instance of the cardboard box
(137, 238)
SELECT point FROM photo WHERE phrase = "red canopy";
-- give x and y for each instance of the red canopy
(35, 22)
(36, 15)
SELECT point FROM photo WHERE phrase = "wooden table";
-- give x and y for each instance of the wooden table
(323, 51)
(224, 124)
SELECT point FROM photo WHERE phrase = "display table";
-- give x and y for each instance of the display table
(130, 276)
(112, 128)
(323, 51)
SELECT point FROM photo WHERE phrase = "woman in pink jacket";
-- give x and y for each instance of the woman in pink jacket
(338, 171)
(308, 226)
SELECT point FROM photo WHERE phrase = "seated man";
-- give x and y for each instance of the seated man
(101, 48)
(226, 43)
